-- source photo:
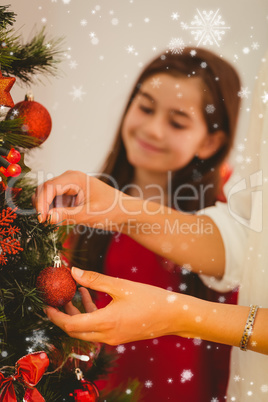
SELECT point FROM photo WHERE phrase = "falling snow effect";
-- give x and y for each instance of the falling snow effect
(37, 339)
(176, 46)
(182, 287)
(73, 64)
(120, 349)
(130, 49)
(171, 298)
(148, 384)
(175, 16)
(265, 97)
(77, 93)
(255, 46)
(244, 92)
(210, 109)
(207, 27)
(156, 82)
(186, 375)
(197, 341)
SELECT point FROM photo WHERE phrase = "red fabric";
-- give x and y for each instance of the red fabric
(29, 371)
(169, 368)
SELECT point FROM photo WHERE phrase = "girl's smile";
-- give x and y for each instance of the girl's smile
(164, 127)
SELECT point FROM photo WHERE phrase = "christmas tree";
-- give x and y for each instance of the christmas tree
(38, 361)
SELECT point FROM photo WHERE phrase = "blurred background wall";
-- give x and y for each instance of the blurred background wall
(106, 44)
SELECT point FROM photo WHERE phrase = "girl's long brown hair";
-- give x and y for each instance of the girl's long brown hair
(221, 85)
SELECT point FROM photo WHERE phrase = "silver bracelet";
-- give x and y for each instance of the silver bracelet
(249, 327)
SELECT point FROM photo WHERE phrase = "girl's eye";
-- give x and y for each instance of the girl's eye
(146, 109)
(176, 125)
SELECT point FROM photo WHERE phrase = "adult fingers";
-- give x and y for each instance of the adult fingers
(87, 300)
(115, 287)
(87, 322)
(71, 309)
(89, 336)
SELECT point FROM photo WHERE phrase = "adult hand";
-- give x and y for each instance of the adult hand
(137, 311)
(89, 200)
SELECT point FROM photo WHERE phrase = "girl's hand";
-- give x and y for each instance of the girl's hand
(89, 200)
(137, 311)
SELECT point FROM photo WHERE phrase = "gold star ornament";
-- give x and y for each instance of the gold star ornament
(6, 84)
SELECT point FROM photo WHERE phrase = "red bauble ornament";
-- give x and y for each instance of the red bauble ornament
(37, 122)
(57, 285)
(88, 392)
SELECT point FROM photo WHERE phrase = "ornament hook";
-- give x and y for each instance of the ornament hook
(79, 374)
(57, 261)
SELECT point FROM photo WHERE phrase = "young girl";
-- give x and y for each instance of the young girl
(177, 129)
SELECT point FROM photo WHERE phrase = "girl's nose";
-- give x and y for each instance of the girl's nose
(154, 127)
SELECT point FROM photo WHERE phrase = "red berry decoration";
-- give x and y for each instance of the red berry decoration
(13, 170)
(37, 122)
(56, 285)
(13, 156)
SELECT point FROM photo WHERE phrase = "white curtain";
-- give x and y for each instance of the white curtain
(249, 370)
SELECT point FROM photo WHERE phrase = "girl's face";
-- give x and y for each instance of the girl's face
(164, 127)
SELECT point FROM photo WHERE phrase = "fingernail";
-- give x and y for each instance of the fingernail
(40, 218)
(77, 272)
(54, 217)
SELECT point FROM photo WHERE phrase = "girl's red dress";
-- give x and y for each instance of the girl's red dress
(169, 368)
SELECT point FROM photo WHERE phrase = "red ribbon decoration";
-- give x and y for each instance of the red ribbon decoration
(29, 371)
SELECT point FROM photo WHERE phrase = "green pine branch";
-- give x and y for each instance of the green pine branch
(6, 17)
(24, 61)
(11, 134)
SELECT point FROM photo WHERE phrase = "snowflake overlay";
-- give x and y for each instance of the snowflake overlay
(176, 46)
(120, 349)
(186, 375)
(37, 339)
(148, 384)
(244, 92)
(265, 97)
(207, 27)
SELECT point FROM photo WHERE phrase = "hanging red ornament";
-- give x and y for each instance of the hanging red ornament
(6, 84)
(37, 122)
(56, 284)
(88, 391)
